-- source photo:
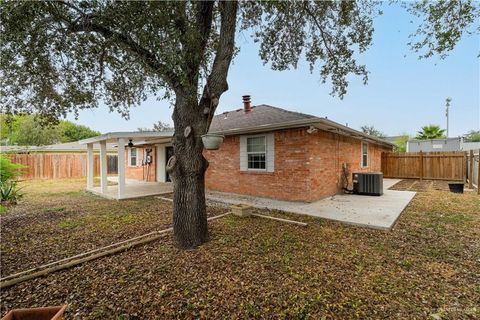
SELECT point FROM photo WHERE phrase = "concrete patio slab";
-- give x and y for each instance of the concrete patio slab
(380, 212)
(133, 189)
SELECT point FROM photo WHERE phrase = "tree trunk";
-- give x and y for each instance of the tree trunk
(187, 168)
(191, 119)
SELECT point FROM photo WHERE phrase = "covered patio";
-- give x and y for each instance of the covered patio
(133, 189)
(128, 188)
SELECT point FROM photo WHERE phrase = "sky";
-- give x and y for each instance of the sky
(402, 95)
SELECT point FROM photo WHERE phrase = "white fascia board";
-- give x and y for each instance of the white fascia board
(114, 136)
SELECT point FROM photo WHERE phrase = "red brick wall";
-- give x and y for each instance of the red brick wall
(328, 152)
(137, 172)
(224, 173)
(308, 167)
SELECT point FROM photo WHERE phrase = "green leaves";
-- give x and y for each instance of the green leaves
(444, 23)
(430, 132)
(9, 172)
(58, 57)
(30, 130)
(10, 192)
(370, 130)
(472, 136)
(73, 132)
(330, 35)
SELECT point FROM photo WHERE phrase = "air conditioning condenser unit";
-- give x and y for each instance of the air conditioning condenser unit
(368, 183)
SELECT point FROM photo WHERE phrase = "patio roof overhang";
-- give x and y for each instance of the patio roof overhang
(137, 137)
(122, 140)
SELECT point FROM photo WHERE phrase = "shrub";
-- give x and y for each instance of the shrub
(9, 170)
(9, 191)
(9, 173)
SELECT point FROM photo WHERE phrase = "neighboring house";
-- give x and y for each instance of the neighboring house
(393, 139)
(267, 152)
(68, 147)
(447, 144)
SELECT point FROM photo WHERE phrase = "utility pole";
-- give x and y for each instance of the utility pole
(448, 100)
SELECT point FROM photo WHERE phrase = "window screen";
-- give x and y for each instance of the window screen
(364, 154)
(133, 156)
(256, 152)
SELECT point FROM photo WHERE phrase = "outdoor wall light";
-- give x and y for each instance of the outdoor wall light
(312, 129)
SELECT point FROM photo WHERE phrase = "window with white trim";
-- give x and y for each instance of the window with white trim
(364, 154)
(257, 153)
(132, 157)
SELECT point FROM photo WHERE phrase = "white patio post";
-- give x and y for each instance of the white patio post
(90, 168)
(103, 166)
(121, 167)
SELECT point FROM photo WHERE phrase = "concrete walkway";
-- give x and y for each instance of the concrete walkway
(379, 212)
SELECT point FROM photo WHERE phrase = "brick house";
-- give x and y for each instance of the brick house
(275, 153)
(267, 152)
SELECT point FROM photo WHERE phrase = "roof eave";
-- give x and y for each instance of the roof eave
(320, 123)
(114, 136)
(267, 127)
(354, 133)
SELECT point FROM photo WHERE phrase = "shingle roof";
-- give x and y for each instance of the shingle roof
(260, 115)
(261, 118)
(267, 118)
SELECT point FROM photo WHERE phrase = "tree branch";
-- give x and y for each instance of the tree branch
(322, 34)
(204, 20)
(86, 23)
(196, 49)
(217, 80)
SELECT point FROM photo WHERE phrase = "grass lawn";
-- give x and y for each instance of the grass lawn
(428, 267)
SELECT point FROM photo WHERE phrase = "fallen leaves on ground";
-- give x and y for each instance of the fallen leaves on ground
(427, 267)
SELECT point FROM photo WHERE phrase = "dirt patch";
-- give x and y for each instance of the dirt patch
(421, 185)
(427, 267)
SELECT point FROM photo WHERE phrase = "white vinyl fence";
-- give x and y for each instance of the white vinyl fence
(473, 168)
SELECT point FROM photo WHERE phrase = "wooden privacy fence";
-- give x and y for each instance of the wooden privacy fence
(425, 165)
(60, 165)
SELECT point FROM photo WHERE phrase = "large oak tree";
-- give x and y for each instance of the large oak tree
(62, 56)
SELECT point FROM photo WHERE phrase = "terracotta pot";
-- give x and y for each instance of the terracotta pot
(45, 313)
(212, 141)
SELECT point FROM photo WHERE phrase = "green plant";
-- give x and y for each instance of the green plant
(29, 130)
(472, 136)
(9, 173)
(9, 170)
(401, 143)
(430, 132)
(9, 191)
(370, 130)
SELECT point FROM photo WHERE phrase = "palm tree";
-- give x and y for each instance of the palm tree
(430, 132)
